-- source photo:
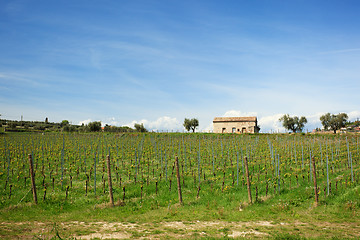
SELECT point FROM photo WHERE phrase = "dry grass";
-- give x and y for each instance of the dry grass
(177, 229)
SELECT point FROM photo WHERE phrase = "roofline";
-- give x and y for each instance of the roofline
(235, 119)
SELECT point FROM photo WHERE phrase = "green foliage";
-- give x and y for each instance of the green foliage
(94, 126)
(64, 123)
(191, 124)
(294, 124)
(140, 127)
(333, 122)
(69, 128)
(123, 129)
(65, 126)
(13, 124)
(41, 127)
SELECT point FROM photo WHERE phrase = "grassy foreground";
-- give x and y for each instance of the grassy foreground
(215, 196)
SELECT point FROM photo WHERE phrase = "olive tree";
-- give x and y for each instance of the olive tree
(140, 127)
(191, 124)
(333, 122)
(294, 124)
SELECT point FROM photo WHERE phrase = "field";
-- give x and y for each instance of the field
(71, 178)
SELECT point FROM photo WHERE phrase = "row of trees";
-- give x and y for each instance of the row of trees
(65, 126)
(329, 121)
(96, 127)
(295, 124)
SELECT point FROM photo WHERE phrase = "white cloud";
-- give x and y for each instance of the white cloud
(354, 115)
(111, 121)
(235, 113)
(87, 121)
(271, 123)
(161, 124)
(208, 128)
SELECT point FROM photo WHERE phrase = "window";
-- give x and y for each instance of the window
(233, 130)
(224, 130)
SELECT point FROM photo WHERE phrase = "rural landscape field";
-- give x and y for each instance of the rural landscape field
(72, 186)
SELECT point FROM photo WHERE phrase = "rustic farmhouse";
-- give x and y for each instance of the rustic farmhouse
(235, 125)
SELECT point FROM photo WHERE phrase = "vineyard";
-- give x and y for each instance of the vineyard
(220, 177)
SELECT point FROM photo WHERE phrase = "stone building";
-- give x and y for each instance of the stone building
(235, 125)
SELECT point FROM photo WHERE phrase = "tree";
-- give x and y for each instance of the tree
(300, 123)
(140, 127)
(12, 124)
(288, 122)
(325, 121)
(64, 123)
(69, 128)
(295, 124)
(191, 124)
(94, 126)
(333, 122)
(107, 128)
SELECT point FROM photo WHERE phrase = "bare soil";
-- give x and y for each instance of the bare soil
(175, 230)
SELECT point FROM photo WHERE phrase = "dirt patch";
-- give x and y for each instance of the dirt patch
(236, 234)
(107, 236)
(172, 230)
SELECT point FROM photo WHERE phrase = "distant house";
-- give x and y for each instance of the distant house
(235, 125)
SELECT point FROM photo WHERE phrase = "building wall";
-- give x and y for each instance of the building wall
(240, 127)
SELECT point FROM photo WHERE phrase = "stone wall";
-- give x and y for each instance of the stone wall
(234, 126)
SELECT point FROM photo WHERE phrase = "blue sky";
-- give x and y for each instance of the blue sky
(158, 62)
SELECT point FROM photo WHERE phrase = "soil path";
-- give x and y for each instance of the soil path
(175, 230)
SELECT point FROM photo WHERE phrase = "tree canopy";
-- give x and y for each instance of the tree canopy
(140, 127)
(94, 126)
(294, 124)
(333, 122)
(191, 124)
(64, 123)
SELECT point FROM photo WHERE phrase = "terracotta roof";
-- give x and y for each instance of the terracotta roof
(235, 119)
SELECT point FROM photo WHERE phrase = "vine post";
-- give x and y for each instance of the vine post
(32, 175)
(315, 183)
(248, 180)
(109, 180)
(178, 180)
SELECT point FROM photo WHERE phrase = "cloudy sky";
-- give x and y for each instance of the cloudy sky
(158, 62)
